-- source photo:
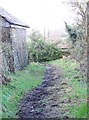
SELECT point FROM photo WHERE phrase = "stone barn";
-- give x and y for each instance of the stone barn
(13, 48)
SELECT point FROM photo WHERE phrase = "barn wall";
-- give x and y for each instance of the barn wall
(13, 49)
(3, 63)
(7, 47)
(1, 59)
(18, 37)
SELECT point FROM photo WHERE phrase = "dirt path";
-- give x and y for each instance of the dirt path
(46, 100)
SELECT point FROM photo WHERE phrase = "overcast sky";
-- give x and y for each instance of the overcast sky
(39, 13)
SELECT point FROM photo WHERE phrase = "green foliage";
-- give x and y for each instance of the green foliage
(80, 32)
(40, 51)
(77, 52)
(72, 33)
(35, 35)
(79, 44)
(21, 83)
(75, 32)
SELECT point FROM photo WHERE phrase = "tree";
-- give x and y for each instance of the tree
(79, 7)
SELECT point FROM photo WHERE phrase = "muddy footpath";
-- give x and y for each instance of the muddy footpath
(46, 101)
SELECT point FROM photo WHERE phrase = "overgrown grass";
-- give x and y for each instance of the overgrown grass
(21, 83)
(76, 89)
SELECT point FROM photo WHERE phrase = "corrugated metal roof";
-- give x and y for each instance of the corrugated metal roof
(11, 19)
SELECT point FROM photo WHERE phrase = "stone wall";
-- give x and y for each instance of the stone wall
(13, 49)
(6, 44)
(1, 64)
(1, 52)
(87, 44)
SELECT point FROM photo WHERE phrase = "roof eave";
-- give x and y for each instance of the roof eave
(26, 26)
(20, 25)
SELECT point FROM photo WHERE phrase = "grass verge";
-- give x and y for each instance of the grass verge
(21, 83)
(76, 88)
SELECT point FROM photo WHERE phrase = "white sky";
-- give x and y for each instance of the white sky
(39, 13)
